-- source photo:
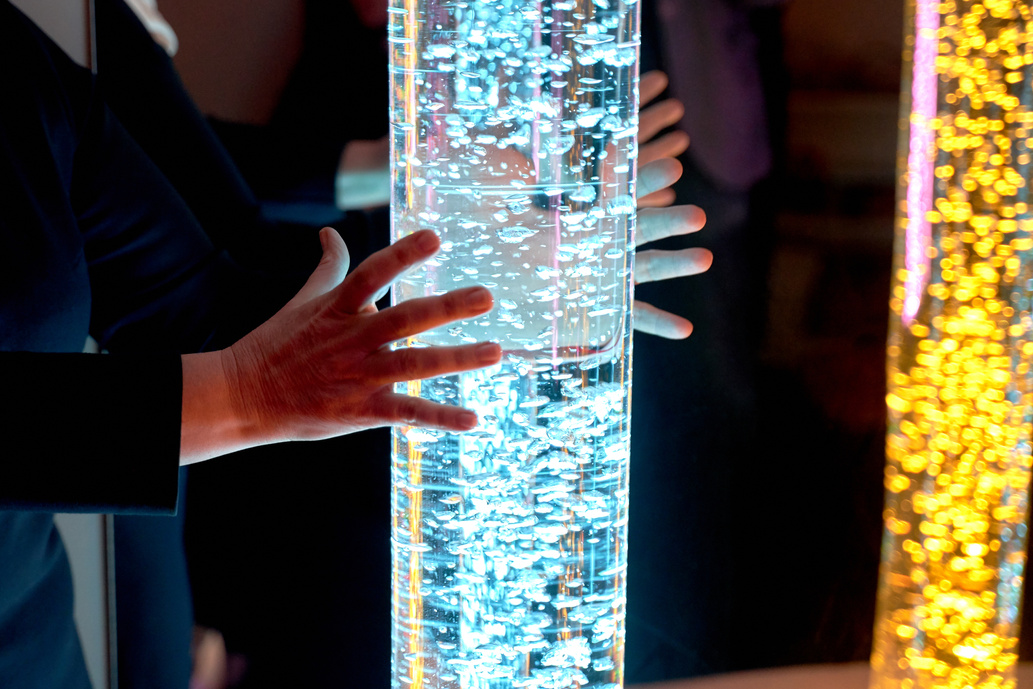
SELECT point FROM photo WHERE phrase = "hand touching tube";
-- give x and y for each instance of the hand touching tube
(322, 366)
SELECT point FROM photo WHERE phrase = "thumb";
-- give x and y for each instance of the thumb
(332, 268)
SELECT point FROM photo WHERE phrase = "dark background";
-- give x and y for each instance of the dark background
(761, 511)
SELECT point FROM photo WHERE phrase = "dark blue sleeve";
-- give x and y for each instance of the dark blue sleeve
(157, 281)
(138, 81)
(90, 433)
(93, 238)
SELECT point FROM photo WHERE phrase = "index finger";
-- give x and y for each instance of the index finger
(382, 268)
(650, 85)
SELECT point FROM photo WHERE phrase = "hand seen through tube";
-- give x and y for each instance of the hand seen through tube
(658, 169)
(322, 366)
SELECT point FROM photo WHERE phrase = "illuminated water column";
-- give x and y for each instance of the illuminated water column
(514, 138)
(958, 446)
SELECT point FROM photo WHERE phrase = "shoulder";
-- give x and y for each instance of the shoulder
(37, 78)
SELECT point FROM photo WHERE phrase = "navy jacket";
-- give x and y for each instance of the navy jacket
(93, 240)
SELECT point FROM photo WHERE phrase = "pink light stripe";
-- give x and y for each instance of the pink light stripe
(921, 156)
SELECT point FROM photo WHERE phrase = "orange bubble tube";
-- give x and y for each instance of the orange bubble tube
(958, 375)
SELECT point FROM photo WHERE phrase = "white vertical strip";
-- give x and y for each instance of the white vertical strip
(85, 538)
(66, 22)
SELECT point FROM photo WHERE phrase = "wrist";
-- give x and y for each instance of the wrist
(213, 422)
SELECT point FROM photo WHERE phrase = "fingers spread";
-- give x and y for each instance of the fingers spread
(657, 117)
(415, 363)
(649, 319)
(657, 175)
(413, 411)
(416, 315)
(654, 265)
(382, 268)
(659, 223)
(651, 85)
(670, 145)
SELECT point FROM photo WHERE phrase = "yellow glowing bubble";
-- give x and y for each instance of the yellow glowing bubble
(982, 576)
(897, 404)
(1004, 513)
(898, 483)
(898, 526)
(906, 631)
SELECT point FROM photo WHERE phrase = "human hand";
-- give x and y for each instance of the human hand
(651, 121)
(322, 366)
(210, 667)
(520, 256)
(658, 223)
(657, 171)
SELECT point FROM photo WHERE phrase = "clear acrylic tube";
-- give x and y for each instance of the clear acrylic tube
(514, 137)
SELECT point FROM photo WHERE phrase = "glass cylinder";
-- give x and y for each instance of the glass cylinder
(959, 394)
(514, 137)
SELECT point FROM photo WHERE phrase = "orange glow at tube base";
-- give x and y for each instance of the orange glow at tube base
(415, 602)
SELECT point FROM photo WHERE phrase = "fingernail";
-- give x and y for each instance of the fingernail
(322, 238)
(467, 419)
(427, 241)
(488, 352)
(479, 298)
